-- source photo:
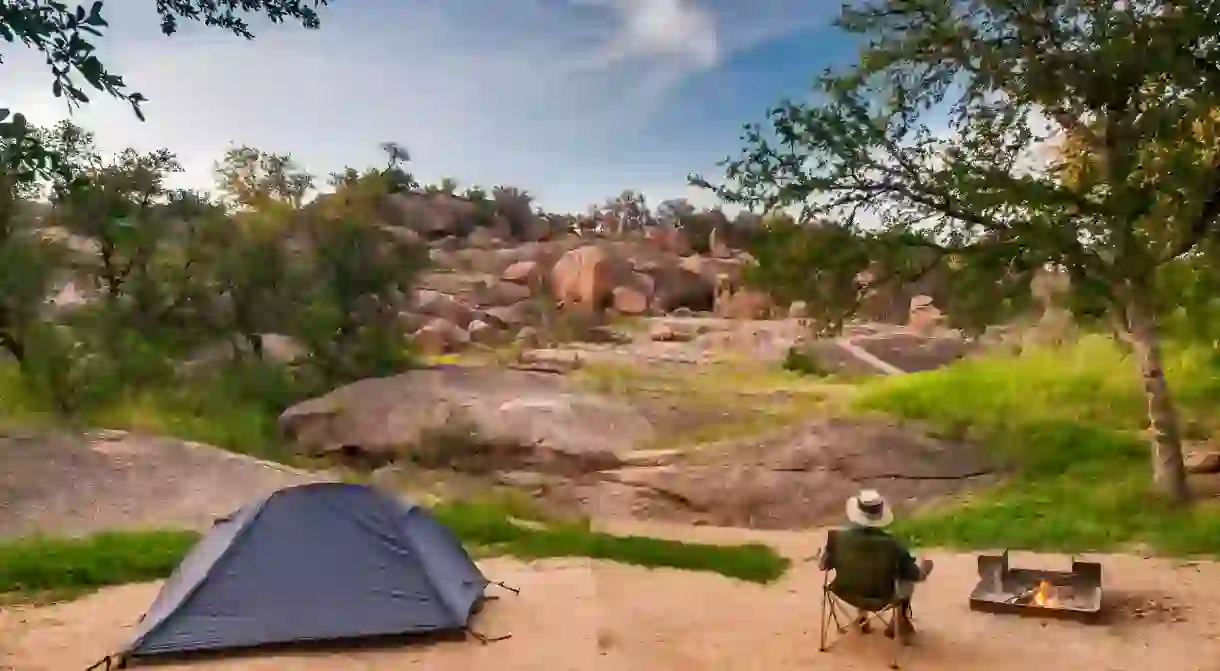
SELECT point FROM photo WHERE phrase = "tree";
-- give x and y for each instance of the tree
(515, 205)
(627, 211)
(671, 212)
(1132, 80)
(115, 204)
(395, 175)
(817, 263)
(475, 194)
(1188, 283)
(359, 273)
(66, 35)
(447, 186)
(248, 253)
(699, 227)
(252, 180)
(28, 259)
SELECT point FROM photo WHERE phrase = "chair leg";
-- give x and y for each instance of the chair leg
(896, 615)
(906, 629)
(898, 648)
(825, 619)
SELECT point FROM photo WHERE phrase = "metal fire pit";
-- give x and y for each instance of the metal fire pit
(1074, 595)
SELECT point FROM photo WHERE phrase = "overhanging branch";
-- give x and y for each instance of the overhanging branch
(1204, 224)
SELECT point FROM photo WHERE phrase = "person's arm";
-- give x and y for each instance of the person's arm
(909, 569)
(826, 561)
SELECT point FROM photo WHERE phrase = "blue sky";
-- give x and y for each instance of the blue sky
(573, 100)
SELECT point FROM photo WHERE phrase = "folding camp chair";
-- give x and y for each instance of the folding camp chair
(866, 571)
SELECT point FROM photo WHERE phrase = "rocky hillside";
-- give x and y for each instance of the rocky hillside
(493, 282)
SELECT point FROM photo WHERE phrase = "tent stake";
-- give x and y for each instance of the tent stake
(484, 639)
(514, 590)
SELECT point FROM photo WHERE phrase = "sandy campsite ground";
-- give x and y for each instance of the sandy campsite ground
(579, 614)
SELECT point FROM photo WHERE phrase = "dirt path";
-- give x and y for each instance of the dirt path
(577, 614)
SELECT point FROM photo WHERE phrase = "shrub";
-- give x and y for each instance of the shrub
(804, 361)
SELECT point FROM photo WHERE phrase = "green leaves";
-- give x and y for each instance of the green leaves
(65, 35)
(940, 132)
(167, 272)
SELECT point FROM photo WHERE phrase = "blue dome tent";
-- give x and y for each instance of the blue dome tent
(313, 563)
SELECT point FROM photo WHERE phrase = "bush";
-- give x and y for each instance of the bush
(235, 407)
(804, 361)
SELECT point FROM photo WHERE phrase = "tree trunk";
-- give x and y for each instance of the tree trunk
(1168, 470)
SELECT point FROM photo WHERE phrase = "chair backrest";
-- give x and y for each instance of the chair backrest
(866, 567)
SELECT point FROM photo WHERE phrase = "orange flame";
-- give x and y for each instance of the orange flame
(1045, 595)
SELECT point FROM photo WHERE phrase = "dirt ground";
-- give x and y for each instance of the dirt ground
(579, 614)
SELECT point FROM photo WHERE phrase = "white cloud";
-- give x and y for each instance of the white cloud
(661, 28)
(538, 93)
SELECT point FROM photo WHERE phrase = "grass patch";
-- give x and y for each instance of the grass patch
(1067, 421)
(53, 564)
(487, 526)
(232, 408)
(73, 566)
(19, 408)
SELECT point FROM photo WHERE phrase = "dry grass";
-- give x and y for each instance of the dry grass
(715, 402)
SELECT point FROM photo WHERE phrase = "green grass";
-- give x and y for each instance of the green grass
(72, 566)
(17, 406)
(236, 411)
(487, 526)
(1067, 422)
(43, 564)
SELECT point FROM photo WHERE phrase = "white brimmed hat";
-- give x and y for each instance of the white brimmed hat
(869, 509)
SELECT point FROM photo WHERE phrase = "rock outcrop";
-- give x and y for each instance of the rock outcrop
(520, 418)
(800, 477)
(1203, 463)
(924, 317)
(586, 277)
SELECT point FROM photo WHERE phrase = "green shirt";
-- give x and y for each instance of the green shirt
(908, 568)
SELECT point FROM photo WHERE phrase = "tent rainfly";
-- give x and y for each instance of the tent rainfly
(316, 562)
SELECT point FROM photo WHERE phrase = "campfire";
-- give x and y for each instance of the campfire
(1073, 594)
(1043, 594)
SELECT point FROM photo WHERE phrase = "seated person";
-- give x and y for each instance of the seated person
(868, 514)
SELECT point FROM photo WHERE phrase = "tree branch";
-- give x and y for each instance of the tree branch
(1204, 224)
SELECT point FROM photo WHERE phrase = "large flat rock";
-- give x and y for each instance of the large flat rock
(61, 484)
(800, 477)
(539, 418)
